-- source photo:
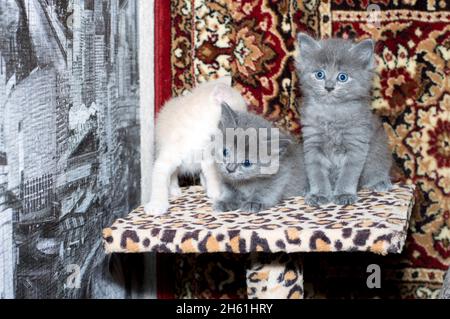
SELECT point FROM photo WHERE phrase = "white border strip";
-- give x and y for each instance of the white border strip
(147, 112)
(147, 92)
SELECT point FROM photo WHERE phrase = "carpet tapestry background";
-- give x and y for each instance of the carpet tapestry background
(254, 40)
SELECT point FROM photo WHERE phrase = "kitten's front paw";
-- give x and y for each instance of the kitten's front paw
(316, 200)
(345, 199)
(252, 207)
(383, 186)
(156, 208)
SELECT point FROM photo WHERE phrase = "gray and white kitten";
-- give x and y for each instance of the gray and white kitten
(246, 186)
(345, 144)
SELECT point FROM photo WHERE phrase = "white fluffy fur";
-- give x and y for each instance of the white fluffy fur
(183, 127)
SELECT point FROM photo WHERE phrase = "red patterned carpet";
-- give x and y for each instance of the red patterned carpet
(255, 41)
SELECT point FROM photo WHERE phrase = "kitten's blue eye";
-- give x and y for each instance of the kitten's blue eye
(225, 152)
(320, 75)
(342, 77)
(246, 163)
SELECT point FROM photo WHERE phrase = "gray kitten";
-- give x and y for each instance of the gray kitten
(245, 185)
(345, 144)
(445, 291)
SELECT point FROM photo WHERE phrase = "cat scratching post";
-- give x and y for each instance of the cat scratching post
(275, 239)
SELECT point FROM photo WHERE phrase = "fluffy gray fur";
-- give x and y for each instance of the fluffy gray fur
(246, 188)
(445, 291)
(345, 144)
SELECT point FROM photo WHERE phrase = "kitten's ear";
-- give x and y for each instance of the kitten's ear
(284, 143)
(307, 44)
(229, 117)
(364, 50)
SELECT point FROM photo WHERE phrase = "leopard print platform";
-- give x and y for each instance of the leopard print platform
(377, 223)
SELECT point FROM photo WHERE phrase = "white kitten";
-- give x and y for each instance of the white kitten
(183, 129)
